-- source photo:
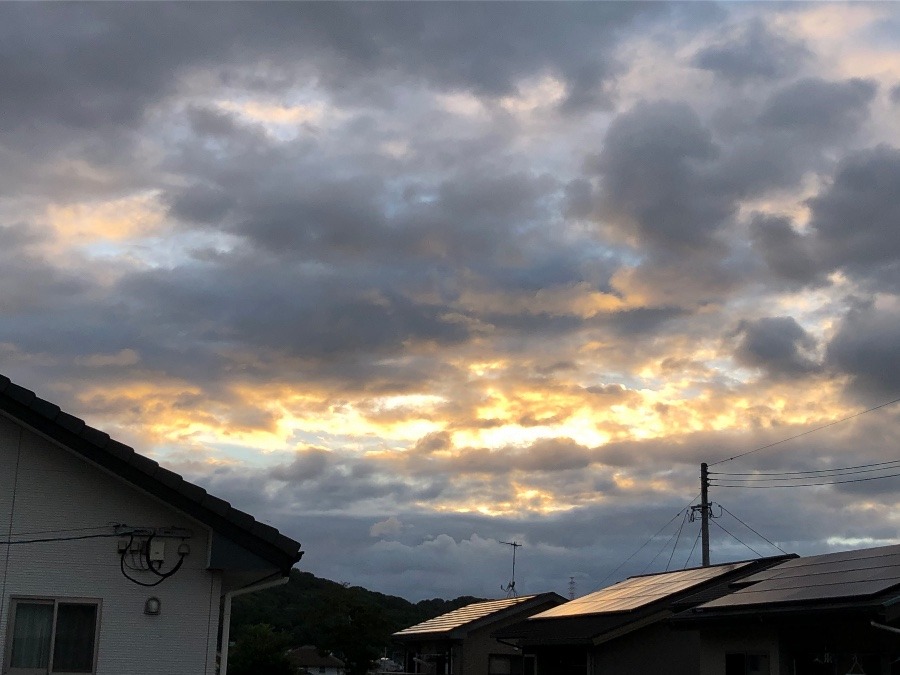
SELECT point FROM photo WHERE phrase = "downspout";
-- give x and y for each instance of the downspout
(226, 614)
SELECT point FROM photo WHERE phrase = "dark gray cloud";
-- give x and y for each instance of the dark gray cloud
(654, 167)
(819, 108)
(751, 51)
(854, 220)
(777, 344)
(866, 347)
(895, 94)
(786, 252)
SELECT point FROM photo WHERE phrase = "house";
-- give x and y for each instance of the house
(460, 642)
(307, 659)
(622, 628)
(109, 563)
(831, 613)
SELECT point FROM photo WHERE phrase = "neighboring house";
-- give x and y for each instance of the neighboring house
(827, 614)
(460, 642)
(622, 629)
(307, 659)
(109, 563)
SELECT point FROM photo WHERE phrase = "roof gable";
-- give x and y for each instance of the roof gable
(45, 418)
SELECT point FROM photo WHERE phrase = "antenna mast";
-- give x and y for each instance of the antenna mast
(571, 588)
(510, 588)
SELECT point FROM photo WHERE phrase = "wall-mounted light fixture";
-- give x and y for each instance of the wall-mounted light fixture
(152, 606)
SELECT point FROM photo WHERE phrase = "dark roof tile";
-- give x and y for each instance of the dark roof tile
(144, 464)
(95, 437)
(45, 408)
(20, 394)
(70, 422)
(120, 450)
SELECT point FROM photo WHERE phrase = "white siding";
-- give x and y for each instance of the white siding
(52, 488)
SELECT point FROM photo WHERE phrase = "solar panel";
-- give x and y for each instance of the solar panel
(462, 616)
(636, 592)
(849, 574)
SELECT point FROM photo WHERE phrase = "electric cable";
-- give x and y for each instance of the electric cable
(780, 477)
(45, 540)
(736, 539)
(790, 485)
(644, 545)
(691, 554)
(162, 576)
(681, 527)
(806, 433)
(752, 530)
(663, 547)
(787, 473)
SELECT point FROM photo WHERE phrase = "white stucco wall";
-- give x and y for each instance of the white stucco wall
(44, 487)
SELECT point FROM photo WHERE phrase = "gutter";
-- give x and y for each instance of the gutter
(261, 585)
(891, 629)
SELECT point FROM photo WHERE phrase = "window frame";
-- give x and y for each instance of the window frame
(55, 601)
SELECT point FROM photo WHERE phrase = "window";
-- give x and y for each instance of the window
(746, 664)
(53, 635)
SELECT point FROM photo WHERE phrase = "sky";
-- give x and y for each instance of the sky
(410, 280)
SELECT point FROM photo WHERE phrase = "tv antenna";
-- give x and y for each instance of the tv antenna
(510, 588)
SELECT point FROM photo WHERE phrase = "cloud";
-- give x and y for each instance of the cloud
(778, 345)
(386, 529)
(752, 52)
(854, 218)
(865, 347)
(818, 108)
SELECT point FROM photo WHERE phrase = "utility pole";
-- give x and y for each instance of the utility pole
(704, 511)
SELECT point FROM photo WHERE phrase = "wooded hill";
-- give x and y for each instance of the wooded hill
(351, 622)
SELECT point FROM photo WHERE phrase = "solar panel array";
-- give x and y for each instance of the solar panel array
(636, 592)
(462, 616)
(856, 574)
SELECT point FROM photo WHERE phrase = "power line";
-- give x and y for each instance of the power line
(769, 476)
(736, 539)
(806, 433)
(785, 473)
(680, 528)
(791, 485)
(52, 539)
(752, 530)
(644, 545)
(691, 554)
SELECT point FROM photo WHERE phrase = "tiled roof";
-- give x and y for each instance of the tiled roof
(96, 446)
(477, 611)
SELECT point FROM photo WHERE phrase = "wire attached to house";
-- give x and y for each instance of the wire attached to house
(146, 547)
(45, 540)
